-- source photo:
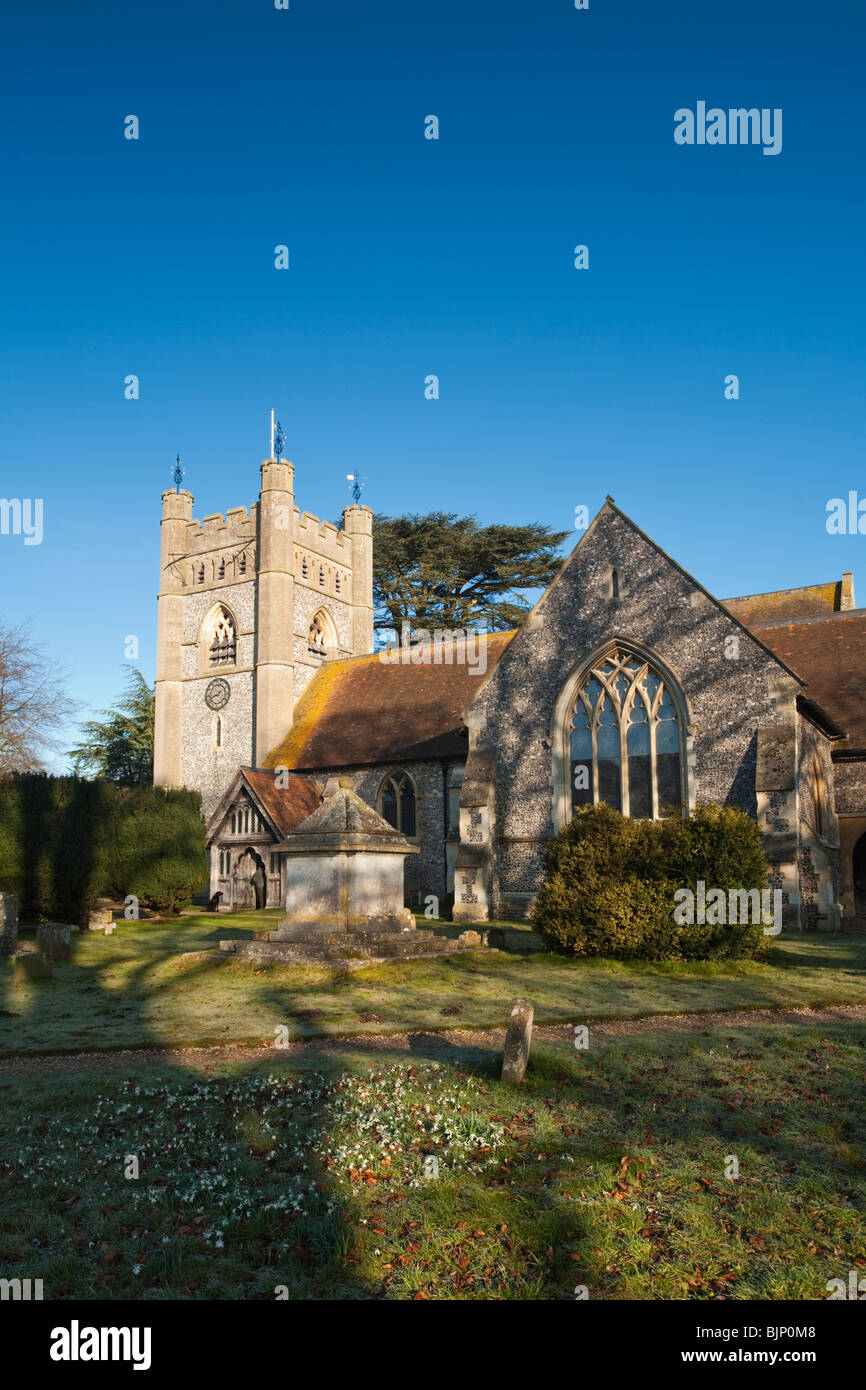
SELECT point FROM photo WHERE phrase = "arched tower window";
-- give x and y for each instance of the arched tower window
(322, 634)
(625, 733)
(220, 636)
(397, 802)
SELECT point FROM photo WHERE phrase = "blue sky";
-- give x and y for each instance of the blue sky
(408, 257)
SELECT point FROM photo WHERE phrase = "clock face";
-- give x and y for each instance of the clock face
(217, 694)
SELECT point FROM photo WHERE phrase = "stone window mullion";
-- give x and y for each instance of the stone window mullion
(623, 759)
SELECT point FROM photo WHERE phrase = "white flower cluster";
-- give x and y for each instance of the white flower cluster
(256, 1154)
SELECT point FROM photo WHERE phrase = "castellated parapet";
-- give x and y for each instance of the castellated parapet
(250, 604)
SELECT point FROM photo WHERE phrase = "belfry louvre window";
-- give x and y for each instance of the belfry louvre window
(223, 648)
(626, 739)
(397, 802)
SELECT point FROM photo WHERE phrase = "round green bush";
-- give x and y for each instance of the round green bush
(610, 884)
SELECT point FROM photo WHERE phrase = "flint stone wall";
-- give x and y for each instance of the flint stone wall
(659, 607)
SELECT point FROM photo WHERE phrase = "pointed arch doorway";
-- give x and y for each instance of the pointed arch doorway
(245, 880)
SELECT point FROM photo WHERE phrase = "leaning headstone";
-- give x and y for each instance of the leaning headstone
(517, 1041)
(99, 918)
(8, 924)
(469, 938)
(53, 941)
(33, 966)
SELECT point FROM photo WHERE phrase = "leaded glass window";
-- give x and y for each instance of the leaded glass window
(397, 802)
(626, 739)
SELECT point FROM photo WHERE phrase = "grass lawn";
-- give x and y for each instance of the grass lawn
(607, 1168)
(133, 989)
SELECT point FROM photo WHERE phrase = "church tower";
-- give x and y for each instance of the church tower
(275, 607)
(250, 605)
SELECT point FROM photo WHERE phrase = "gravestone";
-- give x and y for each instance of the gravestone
(517, 1041)
(8, 924)
(98, 918)
(33, 966)
(54, 941)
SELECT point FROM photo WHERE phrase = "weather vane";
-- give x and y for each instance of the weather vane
(178, 474)
(278, 438)
(357, 486)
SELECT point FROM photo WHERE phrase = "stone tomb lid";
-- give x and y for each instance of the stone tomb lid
(344, 822)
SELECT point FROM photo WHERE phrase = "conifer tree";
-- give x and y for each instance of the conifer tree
(443, 570)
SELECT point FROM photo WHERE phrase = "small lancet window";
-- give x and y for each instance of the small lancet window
(614, 584)
(321, 576)
(305, 568)
(221, 569)
(218, 732)
(338, 582)
(201, 574)
(819, 799)
(242, 565)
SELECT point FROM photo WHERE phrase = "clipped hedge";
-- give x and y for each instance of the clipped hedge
(65, 841)
(610, 883)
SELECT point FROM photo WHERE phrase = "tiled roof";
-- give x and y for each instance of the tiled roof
(830, 655)
(812, 601)
(286, 806)
(364, 710)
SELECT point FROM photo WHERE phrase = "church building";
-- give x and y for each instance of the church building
(627, 683)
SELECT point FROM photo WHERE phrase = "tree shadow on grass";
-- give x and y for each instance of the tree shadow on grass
(205, 1217)
(236, 1194)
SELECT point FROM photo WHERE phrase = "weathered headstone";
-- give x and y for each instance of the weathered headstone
(33, 966)
(470, 938)
(54, 941)
(99, 918)
(8, 924)
(517, 1041)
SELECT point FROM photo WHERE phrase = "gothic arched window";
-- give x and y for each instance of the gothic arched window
(316, 638)
(322, 634)
(224, 642)
(626, 739)
(397, 802)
